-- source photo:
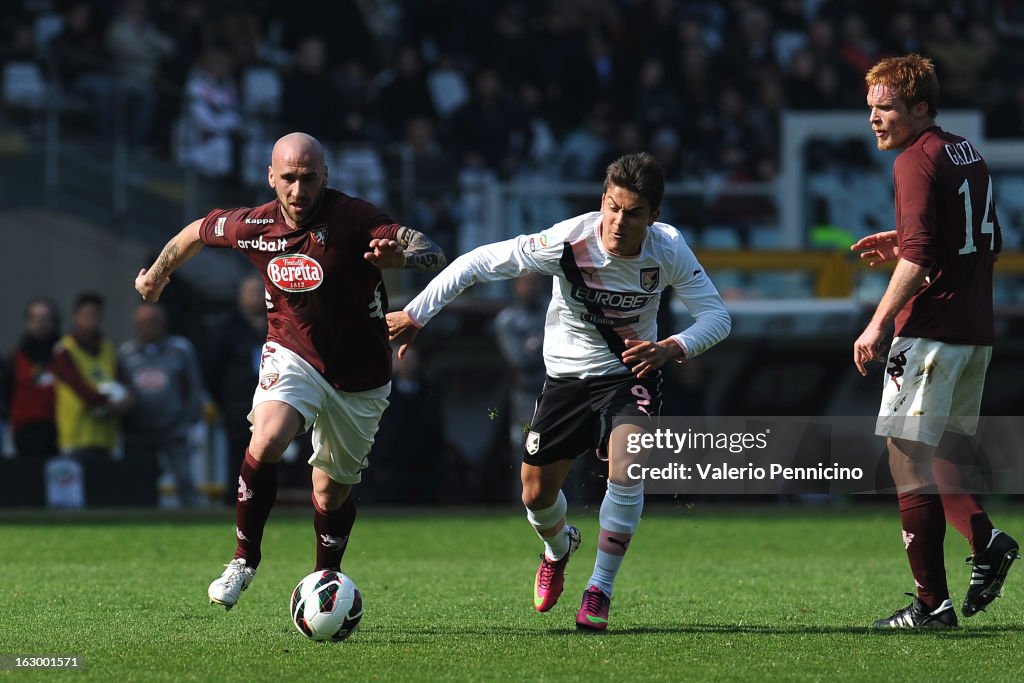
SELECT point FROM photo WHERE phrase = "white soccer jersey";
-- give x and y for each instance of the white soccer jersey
(598, 300)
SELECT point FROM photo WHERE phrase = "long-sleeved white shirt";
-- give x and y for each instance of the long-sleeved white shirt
(598, 300)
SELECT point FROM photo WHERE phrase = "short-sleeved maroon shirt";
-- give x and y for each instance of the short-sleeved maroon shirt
(946, 221)
(327, 303)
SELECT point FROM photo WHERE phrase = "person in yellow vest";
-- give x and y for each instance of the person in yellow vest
(89, 395)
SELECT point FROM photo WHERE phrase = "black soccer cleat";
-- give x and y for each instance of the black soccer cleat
(990, 568)
(916, 616)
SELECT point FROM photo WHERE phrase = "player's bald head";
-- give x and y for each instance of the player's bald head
(297, 149)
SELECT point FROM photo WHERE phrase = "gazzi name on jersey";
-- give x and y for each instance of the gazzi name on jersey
(261, 244)
(616, 301)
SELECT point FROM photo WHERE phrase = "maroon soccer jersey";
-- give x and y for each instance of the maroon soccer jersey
(327, 303)
(946, 221)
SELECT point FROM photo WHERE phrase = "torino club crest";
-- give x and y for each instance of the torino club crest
(319, 234)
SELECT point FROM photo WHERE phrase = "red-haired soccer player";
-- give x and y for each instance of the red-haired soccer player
(940, 299)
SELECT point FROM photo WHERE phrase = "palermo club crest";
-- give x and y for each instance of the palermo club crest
(649, 278)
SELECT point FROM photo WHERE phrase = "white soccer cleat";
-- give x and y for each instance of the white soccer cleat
(235, 579)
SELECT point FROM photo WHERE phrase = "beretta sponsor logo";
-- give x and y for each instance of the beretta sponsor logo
(295, 273)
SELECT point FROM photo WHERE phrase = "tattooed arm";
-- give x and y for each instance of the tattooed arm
(150, 282)
(421, 253)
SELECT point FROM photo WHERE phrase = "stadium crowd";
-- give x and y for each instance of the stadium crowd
(515, 89)
(521, 86)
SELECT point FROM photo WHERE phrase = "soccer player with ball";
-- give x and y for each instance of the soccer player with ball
(940, 299)
(326, 365)
(601, 355)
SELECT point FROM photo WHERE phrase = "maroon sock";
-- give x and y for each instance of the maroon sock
(332, 531)
(924, 529)
(963, 510)
(257, 490)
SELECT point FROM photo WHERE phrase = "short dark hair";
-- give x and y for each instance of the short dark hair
(88, 299)
(639, 173)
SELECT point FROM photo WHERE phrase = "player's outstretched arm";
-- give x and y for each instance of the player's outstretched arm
(880, 247)
(421, 253)
(150, 282)
(410, 249)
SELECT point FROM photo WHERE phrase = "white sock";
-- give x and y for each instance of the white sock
(620, 515)
(557, 545)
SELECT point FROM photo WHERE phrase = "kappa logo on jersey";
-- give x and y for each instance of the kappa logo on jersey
(532, 442)
(261, 244)
(319, 234)
(649, 278)
(268, 380)
(259, 221)
(295, 273)
(218, 228)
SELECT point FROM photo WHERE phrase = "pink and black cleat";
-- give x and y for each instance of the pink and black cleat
(593, 614)
(551, 574)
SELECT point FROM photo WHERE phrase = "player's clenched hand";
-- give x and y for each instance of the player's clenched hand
(868, 347)
(401, 330)
(385, 254)
(880, 247)
(645, 357)
(149, 290)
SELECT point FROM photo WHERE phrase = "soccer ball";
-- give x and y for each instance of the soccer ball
(326, 605)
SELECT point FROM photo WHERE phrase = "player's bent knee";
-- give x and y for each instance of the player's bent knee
(268, 447)
(536, 498)
(332, 497)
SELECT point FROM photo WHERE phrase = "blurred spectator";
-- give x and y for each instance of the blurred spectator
(408, 456)
(436, 184)
(164, 376)
(189, 24)
(29, 391)
(355, 117)
(655, 104)
(88, 394)
(448, 87)
(232, 366)
(519, 331)
(1007, 117)
(81, 65)
(481, 130)
(962, 62)
(240, 31)
(581, 152)
(136, 49)
(311, 100)
(405, 94)
(212, 115)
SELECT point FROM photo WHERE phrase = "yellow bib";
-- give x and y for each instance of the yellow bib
(77, 426)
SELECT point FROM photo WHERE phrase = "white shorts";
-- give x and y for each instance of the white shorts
(931, 388)
(344, 423)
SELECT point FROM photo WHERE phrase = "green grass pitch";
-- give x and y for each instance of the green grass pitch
(708, 593)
